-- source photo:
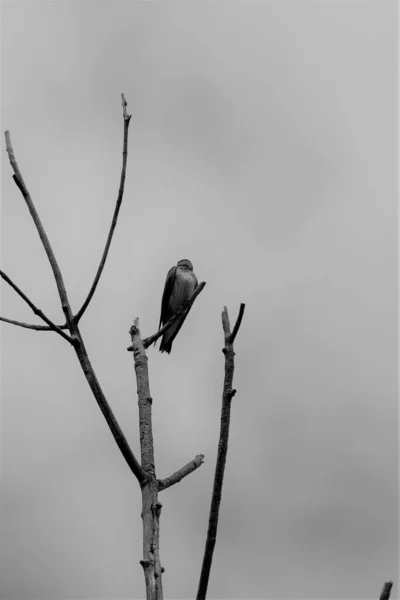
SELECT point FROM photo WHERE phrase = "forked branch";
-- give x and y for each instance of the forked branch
(228, 394)
(35, 309)
(72, 323)
(96, 280)
(237, 324)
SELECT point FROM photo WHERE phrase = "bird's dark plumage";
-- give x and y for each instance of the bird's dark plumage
(179, 286)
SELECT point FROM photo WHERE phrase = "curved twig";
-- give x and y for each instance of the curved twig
(96, 280)
(237, 324)
(35, 309)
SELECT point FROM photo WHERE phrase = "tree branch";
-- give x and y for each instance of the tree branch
(181, 473)
(40, 229)
(158, 570)
(144, 399)
(180, 314)
(31, 326)
(237, 324)
(92, 290)
(387, 588)
(71, 323)
(35, 309)
(105, 408)
(150, 506)
(228, 394)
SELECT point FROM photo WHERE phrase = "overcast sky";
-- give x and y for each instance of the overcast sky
(263, 147)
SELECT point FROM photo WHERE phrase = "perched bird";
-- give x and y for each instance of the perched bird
(179, 286)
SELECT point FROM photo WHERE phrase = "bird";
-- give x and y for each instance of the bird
(179, 286)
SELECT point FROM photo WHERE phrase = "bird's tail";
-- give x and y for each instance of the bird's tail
(159, 327)
(168, 338)
(170, 335)
(166, 346)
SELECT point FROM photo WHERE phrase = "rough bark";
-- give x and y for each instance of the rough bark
(151, 507)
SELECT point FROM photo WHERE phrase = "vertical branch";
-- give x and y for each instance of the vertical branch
(158, 570)
(151, 537)
(228, 394)
(151, 508)
(144, 400)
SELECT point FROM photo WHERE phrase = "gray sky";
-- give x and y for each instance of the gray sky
(263, 147)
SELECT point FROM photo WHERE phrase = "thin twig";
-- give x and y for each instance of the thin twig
(92, 290)
(181, 473)
(124, 105)
(387, 588)
(237, 324)
(40, 229)
(180, 314)
(228, 394)
(35, 309)
(31, 326)
(105, 408)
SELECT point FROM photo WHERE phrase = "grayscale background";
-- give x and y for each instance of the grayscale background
(263, 147)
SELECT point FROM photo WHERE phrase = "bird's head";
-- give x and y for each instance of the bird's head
(185, 263)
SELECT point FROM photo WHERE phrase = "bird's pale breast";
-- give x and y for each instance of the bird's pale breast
(185, 283)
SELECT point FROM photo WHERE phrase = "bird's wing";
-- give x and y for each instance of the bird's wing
(168, 289)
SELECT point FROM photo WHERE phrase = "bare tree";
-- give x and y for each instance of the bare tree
(144, 470)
